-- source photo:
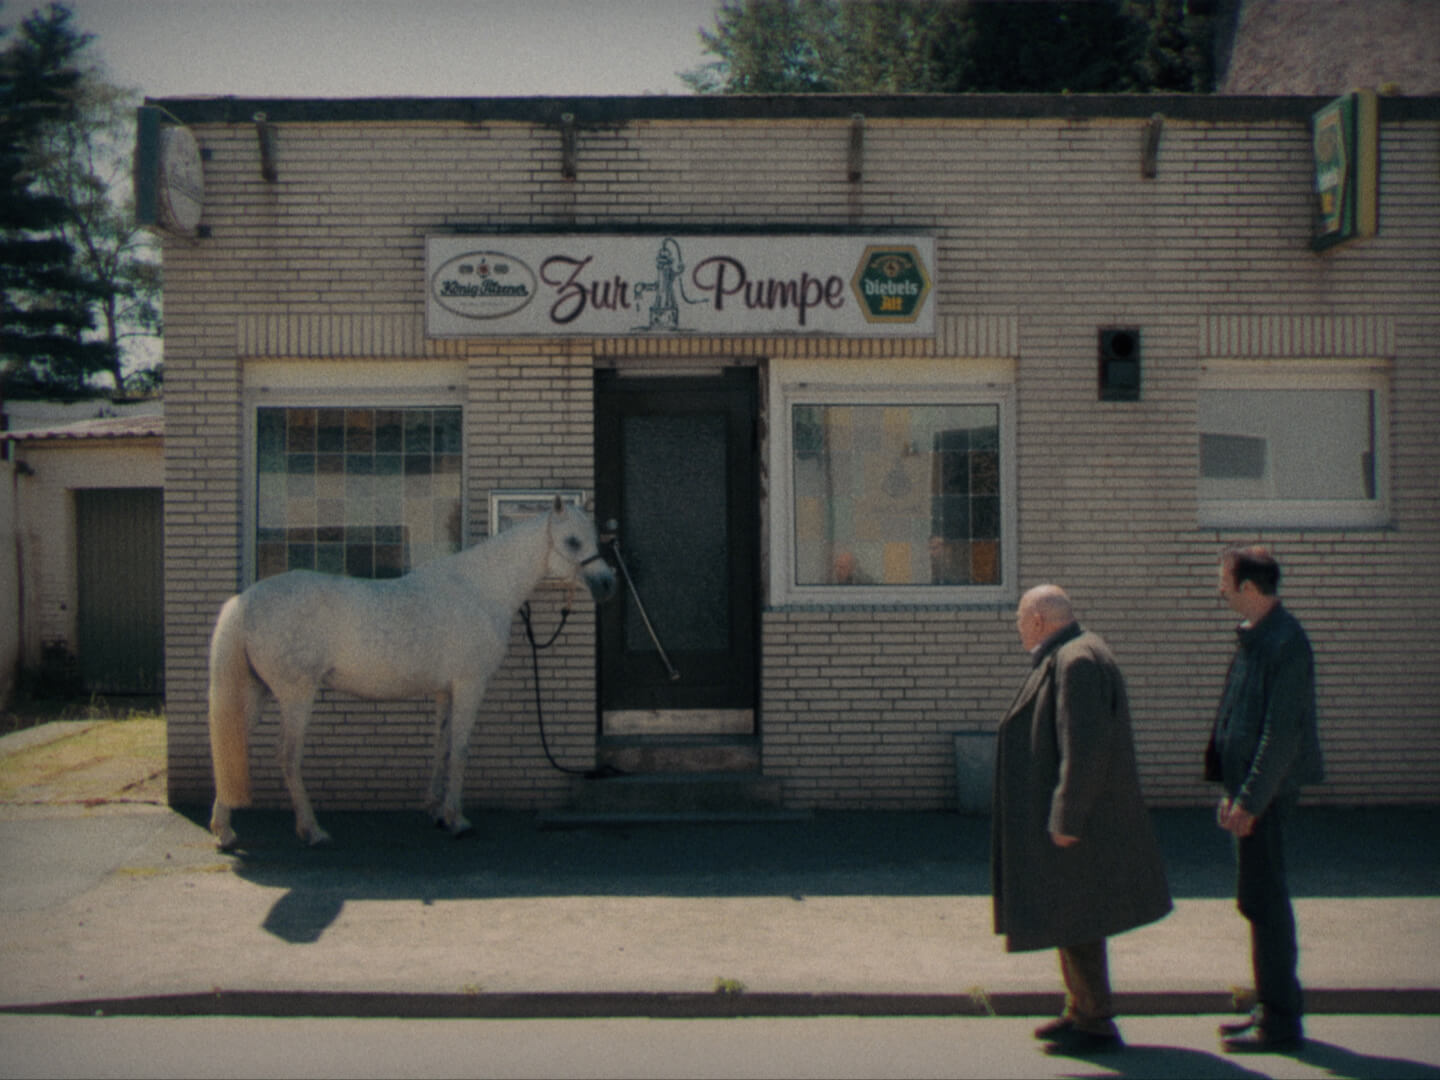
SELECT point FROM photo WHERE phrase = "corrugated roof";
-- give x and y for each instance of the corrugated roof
(109, 427)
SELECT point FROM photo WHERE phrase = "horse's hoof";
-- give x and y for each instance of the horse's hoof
(460, 828)
(226, 841)
(316, 837)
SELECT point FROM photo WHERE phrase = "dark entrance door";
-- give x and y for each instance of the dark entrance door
(675, 467)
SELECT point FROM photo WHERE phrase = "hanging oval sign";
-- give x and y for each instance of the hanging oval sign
(182, 180)
(483, 285)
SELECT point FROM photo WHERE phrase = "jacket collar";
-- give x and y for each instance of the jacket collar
(1055, 640)
(1249, 632)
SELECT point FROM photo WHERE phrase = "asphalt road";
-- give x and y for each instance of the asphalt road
(832, 1047)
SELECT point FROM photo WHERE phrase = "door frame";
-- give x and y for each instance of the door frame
(737, 391)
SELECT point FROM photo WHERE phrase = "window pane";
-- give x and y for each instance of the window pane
(351, 490)
(897, 495)
(1287, 445)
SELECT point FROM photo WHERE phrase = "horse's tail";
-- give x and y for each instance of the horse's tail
(234, 699)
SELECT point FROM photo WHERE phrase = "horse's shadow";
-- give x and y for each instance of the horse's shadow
(398, 856)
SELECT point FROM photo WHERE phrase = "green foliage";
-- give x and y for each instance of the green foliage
(766, 47)
(77, 279)
(954, 46)
(1176, 55)
(85, 163)
(42, 296)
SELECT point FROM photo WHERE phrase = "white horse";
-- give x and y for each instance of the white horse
(440, 630)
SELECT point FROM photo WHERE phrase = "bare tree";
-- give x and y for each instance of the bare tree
(86, 164)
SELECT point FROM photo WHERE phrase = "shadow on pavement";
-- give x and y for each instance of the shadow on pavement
(1158, 1062)
(1155, 1062)
(389, 856)
(401, 856)
(1339, 1061)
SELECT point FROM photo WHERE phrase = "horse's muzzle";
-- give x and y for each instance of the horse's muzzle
(599, 579)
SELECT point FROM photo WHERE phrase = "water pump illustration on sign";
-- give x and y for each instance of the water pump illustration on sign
(669, 278)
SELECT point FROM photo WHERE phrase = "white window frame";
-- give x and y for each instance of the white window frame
(902, 382)
(1303, 375)
(327, 384)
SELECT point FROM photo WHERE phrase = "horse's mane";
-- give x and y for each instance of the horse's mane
(490, 552)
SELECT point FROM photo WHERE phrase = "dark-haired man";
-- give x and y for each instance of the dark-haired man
(1264, 746)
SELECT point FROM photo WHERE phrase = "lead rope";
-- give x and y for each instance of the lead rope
(535, 668)
(589, 774)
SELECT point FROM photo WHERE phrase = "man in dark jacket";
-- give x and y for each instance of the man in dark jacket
(1073, 856)
(1264, 746)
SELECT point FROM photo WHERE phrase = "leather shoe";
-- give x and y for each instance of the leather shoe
(1075, 1041)
(1238, 1027)
(1054, 1029)
(1264, 1042)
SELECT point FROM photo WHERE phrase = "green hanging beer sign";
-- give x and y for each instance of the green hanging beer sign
(1345, 141)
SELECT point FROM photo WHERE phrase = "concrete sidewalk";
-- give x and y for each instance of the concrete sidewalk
(131, 909)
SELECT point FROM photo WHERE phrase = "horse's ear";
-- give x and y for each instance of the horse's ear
(559, 505)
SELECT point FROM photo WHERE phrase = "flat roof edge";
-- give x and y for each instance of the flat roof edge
(612, 111)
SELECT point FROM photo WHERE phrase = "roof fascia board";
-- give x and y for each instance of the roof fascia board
(601, 112)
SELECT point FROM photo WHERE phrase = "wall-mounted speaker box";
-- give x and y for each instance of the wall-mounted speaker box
(1119, 363)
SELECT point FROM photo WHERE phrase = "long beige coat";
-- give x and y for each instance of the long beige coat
(1065, 761)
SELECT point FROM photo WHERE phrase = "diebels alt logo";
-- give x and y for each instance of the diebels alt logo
(891, 284)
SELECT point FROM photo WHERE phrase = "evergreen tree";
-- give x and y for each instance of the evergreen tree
(955, 46)
(44, 296)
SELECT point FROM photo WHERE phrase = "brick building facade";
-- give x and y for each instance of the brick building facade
(1284, 395)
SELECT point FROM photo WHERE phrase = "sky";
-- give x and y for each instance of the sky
(392, 48)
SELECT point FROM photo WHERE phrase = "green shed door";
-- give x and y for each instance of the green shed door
(119, 547)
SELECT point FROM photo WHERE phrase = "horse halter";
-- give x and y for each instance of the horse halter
(577, 568)
(599, 556)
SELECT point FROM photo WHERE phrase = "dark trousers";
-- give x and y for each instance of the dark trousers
(1263, 897)
(1086, 971)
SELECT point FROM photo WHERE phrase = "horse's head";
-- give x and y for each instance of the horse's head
(575, 551)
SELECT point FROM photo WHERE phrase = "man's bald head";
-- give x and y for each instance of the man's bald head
(1042, 611)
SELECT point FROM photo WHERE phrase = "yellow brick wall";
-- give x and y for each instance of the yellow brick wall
(1045, 231)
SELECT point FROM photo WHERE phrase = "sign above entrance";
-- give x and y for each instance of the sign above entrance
(572, 285)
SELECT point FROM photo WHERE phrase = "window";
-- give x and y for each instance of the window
(894, 494)
(1298, 445)
(352, 479)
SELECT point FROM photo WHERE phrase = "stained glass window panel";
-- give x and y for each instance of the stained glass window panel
(359, 491)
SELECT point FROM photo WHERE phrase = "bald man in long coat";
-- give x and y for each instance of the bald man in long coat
(1073, 857)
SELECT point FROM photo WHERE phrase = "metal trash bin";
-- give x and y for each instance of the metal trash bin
(974, 771)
